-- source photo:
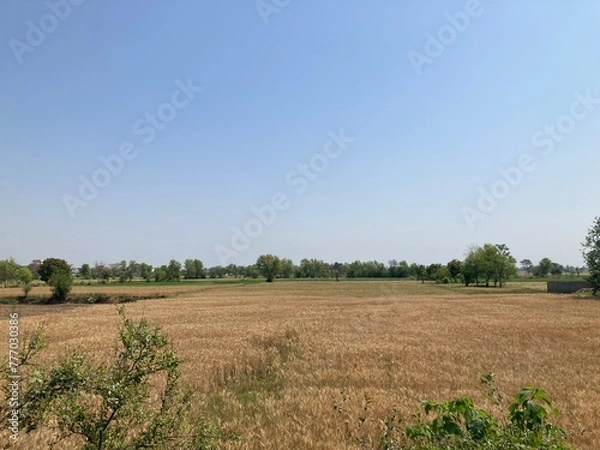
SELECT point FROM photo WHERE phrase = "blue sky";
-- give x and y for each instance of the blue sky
(422, 143)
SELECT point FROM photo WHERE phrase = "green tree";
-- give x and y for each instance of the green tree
(591, 254)
(269, 266)
(8, 271)
(193, 268)
(287, 268)
(146, 271)
(24, 276)
(454, 269)
(61, 282)
(51, 267)
(134, 402)
(160, 273)
(505, 265)
(544, 268)
(526, 265)
(85, 271)
(338, 270)
(173, 271)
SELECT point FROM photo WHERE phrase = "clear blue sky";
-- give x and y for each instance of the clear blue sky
(423, 143)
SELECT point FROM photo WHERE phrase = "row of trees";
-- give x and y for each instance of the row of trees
(548, 267)
(490, 263)
(483, 265)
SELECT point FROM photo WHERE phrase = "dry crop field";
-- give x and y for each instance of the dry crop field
(336, 348)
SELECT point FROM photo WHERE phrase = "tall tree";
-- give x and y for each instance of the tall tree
(591, 254)
(526, 265)
(52, 266)
(173, 272)
(269, 266)
(8, 271)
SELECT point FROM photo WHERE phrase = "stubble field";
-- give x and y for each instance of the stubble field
(333, 349)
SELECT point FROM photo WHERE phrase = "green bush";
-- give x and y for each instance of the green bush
(61, 283)
(136, 402)
(458, 425)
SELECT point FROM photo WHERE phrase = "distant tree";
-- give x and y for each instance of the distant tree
(173, 271)
(591, 254)
(269, 266)
(419, 272)
(35, 269)
(505, 265)
(8, 271)
(557, 269)
(251, 271)
(217, 272)
(146, 271)
(454, 269)
(492, 263)
(402, 270)
(85, 271)
(287, 268)
(24, 276)
(52, 266)
(472, 267)
(314, 268)
(234, 270)
(160, 273)
(194, 268)
(338, 270)
(526, 265)
(543, 268)
(133, 270)
(61, 282)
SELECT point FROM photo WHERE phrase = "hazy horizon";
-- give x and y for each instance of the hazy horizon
(149, 131)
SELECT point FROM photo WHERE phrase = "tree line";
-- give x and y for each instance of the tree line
(487, 265)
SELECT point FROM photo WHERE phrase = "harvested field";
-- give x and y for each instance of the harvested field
(391, 342)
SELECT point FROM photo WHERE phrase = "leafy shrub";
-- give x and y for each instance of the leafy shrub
(458, 425)
(135, 403)
(61, 283)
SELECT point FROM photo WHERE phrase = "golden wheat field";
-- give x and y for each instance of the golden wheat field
(353, 351)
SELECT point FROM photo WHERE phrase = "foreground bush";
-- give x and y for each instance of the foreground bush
(458, 425)
(134, 403)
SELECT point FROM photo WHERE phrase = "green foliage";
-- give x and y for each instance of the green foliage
(85, 271)
(269, 266)
(591, 254)
(458, 424)
(173, 271)
(134, 403)
(9, 270)
(194, 268)
(314, 268)
(27, 289)
(490, 263)
(24, 276)
(53, 266)
(543, 268)
(61, 283)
